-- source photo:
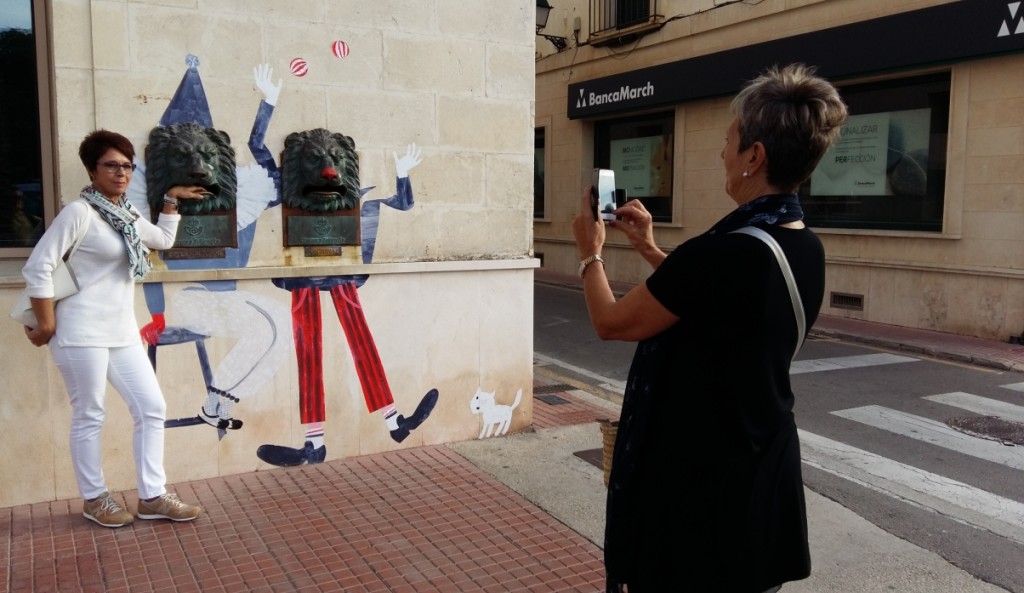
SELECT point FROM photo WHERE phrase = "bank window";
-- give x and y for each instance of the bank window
(639, 150)
(888, 169)
(23, 108)
(538, 172)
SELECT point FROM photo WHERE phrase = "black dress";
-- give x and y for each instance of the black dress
(706, 492)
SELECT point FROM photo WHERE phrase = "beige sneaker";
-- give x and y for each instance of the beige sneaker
(106, 511)
(168, 506)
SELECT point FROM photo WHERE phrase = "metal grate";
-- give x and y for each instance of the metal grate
(556, 388)
(843, 300)
(594, 457)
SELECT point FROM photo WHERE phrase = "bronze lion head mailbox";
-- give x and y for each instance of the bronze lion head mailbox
(320, 187)
(190, 154)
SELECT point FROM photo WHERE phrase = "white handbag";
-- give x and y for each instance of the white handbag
(64, 284)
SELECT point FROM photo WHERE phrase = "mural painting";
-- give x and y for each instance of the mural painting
(496, 418)
(321, 173)
(328, 170)
(186, 146)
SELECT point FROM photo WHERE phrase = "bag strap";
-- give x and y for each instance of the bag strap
(81, 235)
(787, 273)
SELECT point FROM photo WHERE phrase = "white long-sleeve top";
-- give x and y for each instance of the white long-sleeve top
(102, 313)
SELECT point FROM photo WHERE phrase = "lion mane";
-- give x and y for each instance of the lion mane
(320, 171)
(190, 154)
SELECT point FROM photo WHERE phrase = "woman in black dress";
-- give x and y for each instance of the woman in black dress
(705, 492)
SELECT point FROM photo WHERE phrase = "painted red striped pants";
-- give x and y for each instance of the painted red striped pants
(307, 332)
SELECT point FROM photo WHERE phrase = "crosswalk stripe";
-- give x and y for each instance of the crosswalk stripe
(846, 362)
(935, 433)
(980, 405)
(956, 500)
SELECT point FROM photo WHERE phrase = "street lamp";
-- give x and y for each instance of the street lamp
(543, 10)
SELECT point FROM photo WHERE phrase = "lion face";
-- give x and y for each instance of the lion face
(190, 154)
(320, 171)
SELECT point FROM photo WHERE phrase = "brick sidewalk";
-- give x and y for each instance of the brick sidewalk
(410, 521)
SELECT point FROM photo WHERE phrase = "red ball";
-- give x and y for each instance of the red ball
(299, 67)
(339, 49)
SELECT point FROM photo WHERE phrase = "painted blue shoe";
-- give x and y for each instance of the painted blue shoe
(405, 425)
(290, 457)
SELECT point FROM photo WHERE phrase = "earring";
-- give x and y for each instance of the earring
(746, 174)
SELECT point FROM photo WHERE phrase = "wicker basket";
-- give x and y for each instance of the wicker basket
(609, 428)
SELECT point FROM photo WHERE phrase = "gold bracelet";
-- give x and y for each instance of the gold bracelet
(587, 261)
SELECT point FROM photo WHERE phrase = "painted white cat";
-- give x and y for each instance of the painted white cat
(497, 417)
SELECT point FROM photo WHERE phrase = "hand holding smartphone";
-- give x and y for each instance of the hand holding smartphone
(602, 193)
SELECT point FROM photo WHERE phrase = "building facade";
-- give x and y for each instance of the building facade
(920, 205)
(422, 296)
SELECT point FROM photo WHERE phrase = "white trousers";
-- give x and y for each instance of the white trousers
(86, 372)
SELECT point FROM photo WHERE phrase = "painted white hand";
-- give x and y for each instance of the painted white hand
(262, 74)
(407, 162)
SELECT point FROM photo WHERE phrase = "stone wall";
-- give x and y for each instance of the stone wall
(449, 295)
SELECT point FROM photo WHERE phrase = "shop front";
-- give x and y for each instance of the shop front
(920, 204)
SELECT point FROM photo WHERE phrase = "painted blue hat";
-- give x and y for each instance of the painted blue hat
(188, 105)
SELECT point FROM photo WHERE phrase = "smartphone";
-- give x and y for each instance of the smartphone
(603, 193)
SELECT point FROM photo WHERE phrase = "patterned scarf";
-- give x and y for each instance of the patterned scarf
(769, 209)
(122, 219)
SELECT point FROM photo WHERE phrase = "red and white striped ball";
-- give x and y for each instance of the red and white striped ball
(339, 48)
(299, 67)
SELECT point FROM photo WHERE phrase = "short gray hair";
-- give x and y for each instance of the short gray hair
(795, 114)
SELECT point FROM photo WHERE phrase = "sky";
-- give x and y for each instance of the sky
(15, 14)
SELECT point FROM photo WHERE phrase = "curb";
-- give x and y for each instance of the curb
(927, 351)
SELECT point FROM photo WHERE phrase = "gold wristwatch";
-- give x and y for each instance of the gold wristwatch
(586, 262)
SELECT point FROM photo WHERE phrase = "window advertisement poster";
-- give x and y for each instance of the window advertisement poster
(855, 164)
(643, 166)
(907, 163)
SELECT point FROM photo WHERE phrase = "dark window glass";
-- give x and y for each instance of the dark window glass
(639, 150)
(21, 197)
(631, 12)
(538, 172)
(888, 169)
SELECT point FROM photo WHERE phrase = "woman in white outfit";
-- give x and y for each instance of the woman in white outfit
(93, 335)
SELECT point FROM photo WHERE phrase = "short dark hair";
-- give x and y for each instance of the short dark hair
(97, 143)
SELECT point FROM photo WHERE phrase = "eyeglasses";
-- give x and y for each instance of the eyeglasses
(113, 166)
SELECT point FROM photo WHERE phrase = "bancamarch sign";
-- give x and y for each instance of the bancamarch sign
(625, 93)
(936, 35)
(610, 95)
